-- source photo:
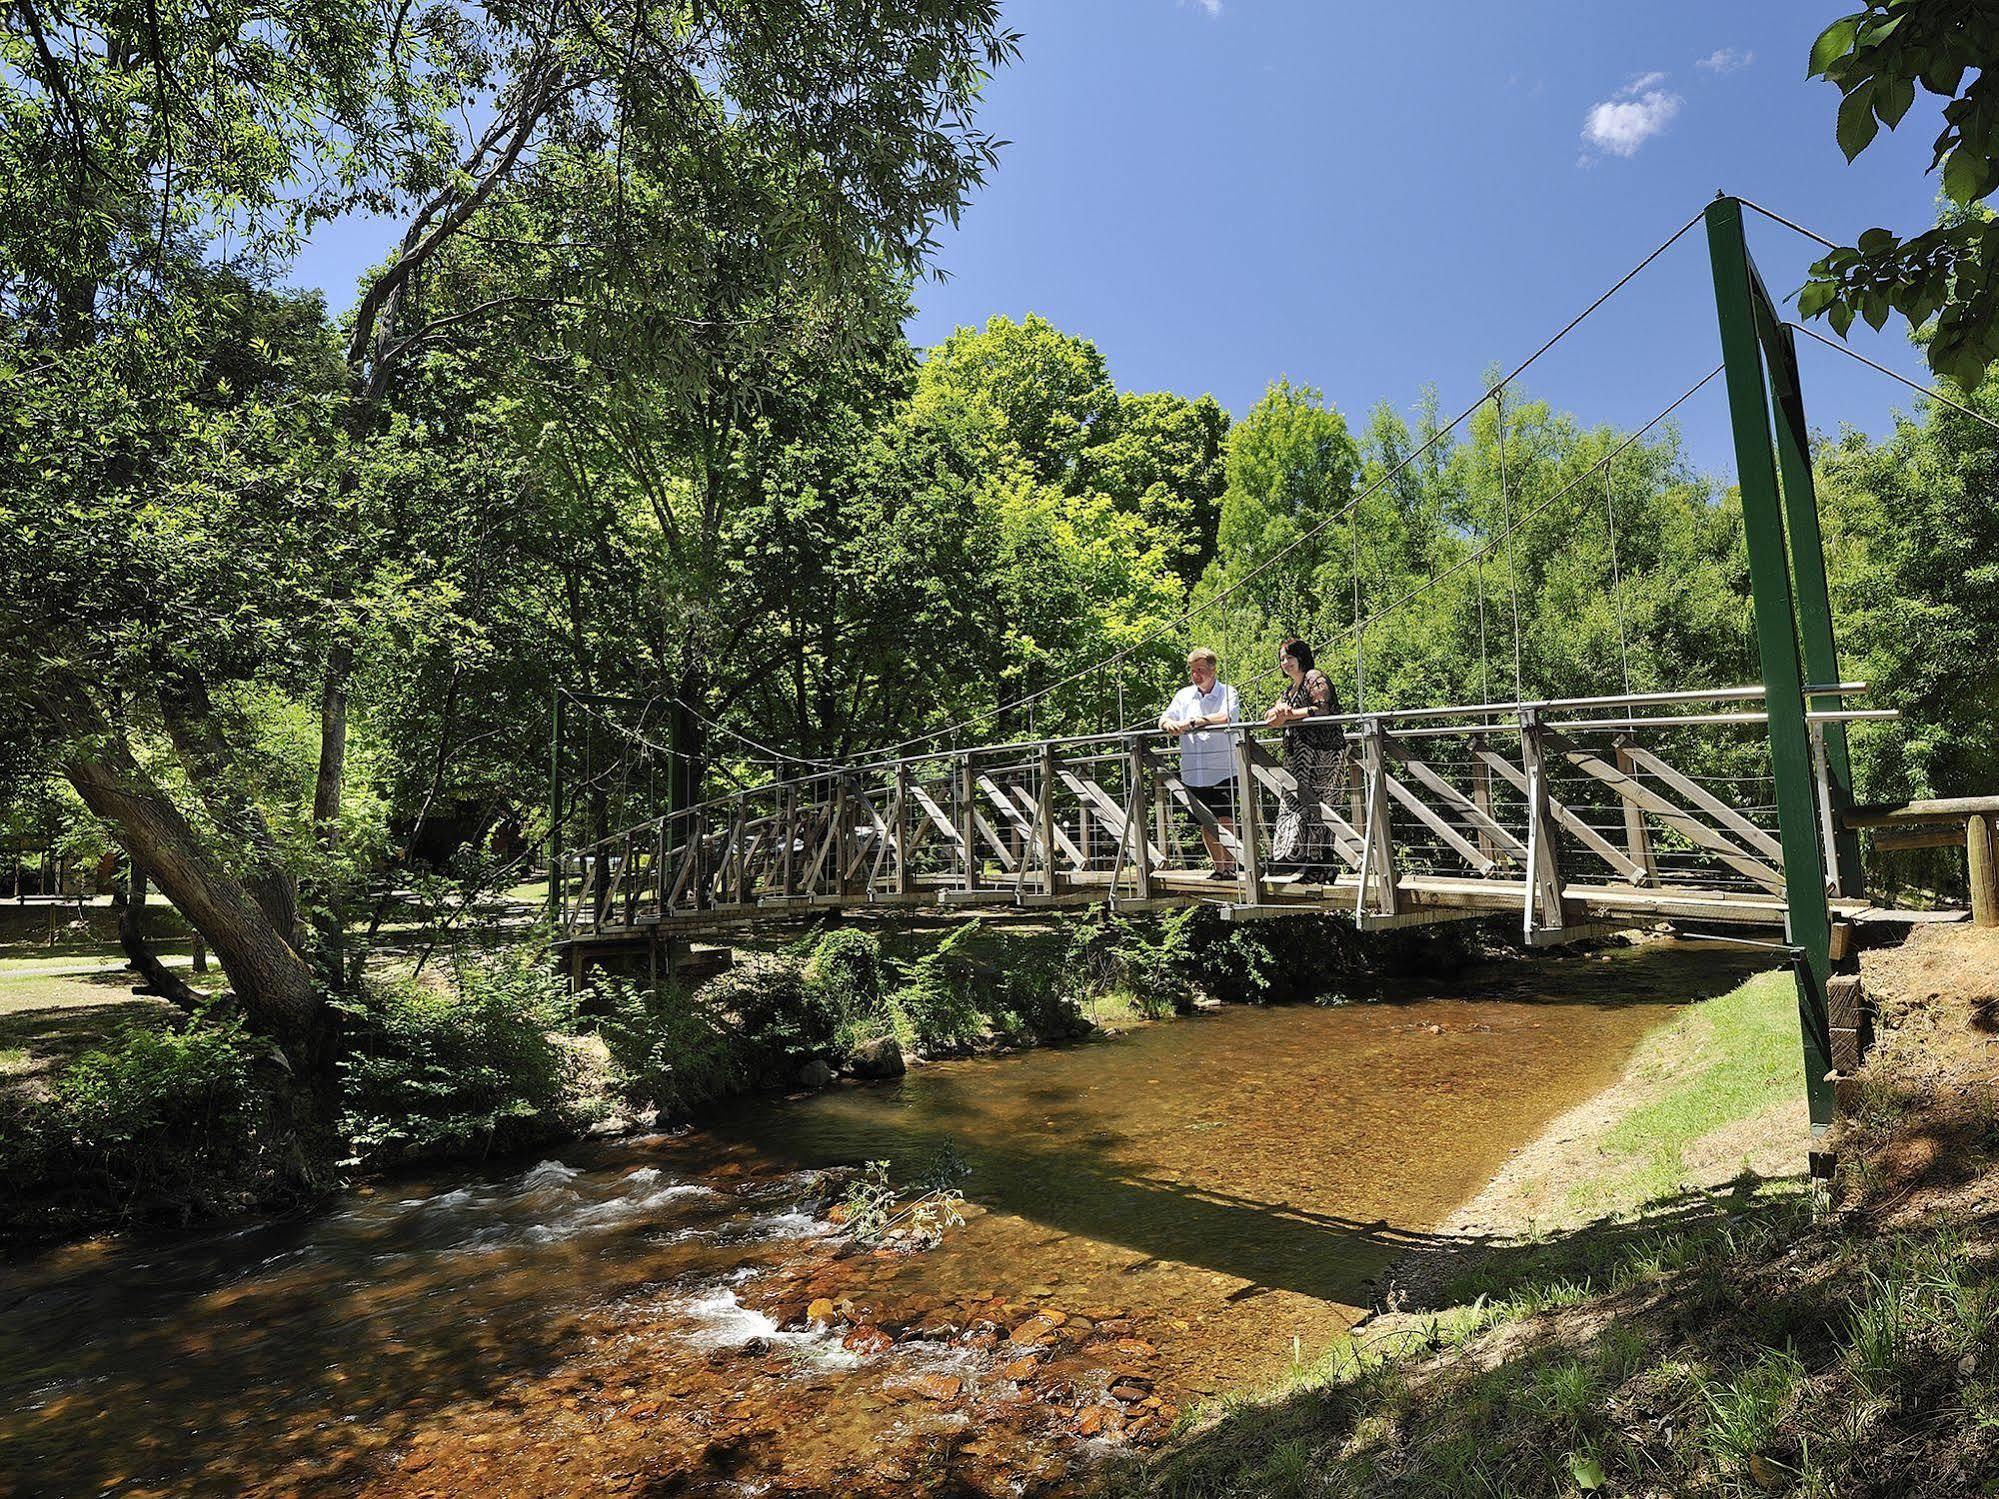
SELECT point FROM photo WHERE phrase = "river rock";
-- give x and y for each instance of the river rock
(1021, 1369)
(936, 1386)
(881, 1057)
(1034, 1330)
(867, 1341)
(815, 1074)
(821, 1310)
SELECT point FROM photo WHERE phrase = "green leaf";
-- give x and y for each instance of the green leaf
(1857, 124)
(1840, 315)
(1586, 1471)
(1875, 241)
(1833, 43)
(1963, 175)
(1815, 297)
(1892, 100)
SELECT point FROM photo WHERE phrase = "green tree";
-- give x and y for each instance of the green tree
(1877, 58)
(203, 122)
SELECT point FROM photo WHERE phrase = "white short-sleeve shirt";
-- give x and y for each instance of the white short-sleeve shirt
(1207, 758)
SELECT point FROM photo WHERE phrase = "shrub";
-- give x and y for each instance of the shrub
(667, 1048)
(935, 1007)
(436, 1070)
(155, 1124)
(843, 988)
(1151, 964)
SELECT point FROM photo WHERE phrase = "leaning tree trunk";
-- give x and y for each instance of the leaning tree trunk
(271, 980)
(157, 977)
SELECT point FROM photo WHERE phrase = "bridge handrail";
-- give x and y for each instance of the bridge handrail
(1256, 727)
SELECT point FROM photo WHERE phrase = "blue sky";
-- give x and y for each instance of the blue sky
(1368, 198)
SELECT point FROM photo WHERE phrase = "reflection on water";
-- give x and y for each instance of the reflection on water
(1175, 1207)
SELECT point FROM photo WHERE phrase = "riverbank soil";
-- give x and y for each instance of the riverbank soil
(1734, 1335)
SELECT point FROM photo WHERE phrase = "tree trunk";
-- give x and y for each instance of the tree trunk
(272, 982)
(204, 751)
(159, 979)
(327, 790)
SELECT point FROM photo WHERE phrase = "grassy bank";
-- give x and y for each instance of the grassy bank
(1683, 1317)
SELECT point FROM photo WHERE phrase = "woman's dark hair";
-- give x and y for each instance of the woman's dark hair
(1298, 651)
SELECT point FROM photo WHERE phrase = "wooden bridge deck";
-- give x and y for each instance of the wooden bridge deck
(1574, 815)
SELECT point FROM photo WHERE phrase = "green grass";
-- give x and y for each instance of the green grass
(1722, 1063)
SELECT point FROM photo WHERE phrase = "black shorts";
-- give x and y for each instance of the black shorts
(1219, 799)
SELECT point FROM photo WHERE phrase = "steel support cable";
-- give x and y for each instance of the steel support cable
(1921, 389)
(1812, 333)
(1462, 563)
(1512, 572)
(893, 750)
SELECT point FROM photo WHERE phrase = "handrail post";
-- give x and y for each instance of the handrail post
(1138, 820)
(788, 820)
(1481, 798)
(1544, 862)
(901, 827)
(1050, 876)
(968, 815)
(1378, 834)
(1248, 832)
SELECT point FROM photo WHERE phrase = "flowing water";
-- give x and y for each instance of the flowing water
(1152, 1219)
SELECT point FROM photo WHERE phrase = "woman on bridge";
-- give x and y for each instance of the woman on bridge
(1315, 754)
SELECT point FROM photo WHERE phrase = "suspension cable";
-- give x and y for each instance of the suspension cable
(1462, 563)
(1512, 572)
(1935, 395)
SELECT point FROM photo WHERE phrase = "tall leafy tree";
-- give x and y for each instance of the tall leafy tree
(1878, 58)
(199, 131)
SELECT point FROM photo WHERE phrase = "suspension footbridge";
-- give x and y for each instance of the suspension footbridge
(1722, 808)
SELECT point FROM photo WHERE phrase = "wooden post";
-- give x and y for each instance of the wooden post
(1481, 798)
(1046, 810)
(1637, 833)
(1138, 822)
(1984, 866)
(901, 828)
(1377, 829)
(1544, 871)
(1248, 832)
(788, 823)
(968, 817)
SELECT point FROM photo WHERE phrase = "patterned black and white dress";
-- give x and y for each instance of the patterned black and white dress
(1316, 756)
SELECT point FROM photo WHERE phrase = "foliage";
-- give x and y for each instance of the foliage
(434, 1069)
(1876, 57)
(874, 1213)
(154, 1124)
(668, 1047)
(843, 987)
(1151, 962)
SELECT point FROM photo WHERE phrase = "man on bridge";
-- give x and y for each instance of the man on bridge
(1207, 759)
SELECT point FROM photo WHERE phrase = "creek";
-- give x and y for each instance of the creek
(1151, 1220)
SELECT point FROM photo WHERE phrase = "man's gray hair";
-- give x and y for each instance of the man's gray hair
(1203, 653)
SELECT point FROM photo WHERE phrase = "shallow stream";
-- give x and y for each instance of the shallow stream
(1153, 1219)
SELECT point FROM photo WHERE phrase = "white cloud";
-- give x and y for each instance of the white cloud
(1622, 123)
(1726, 60)
(1212, 7)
